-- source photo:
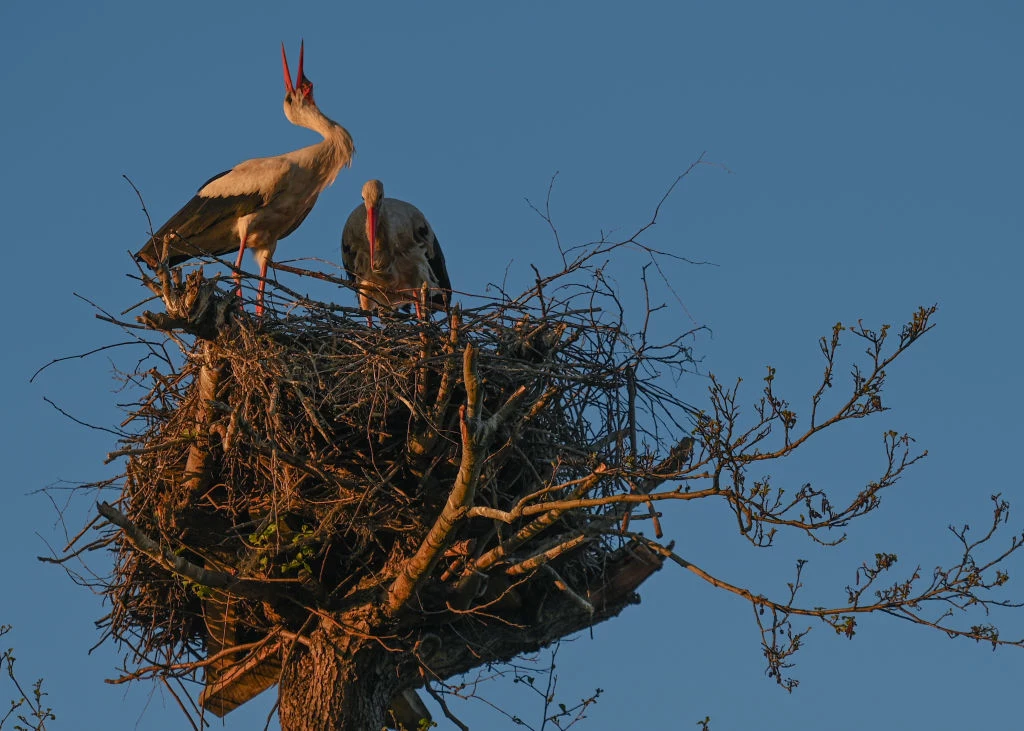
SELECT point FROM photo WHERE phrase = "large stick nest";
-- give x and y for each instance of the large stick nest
(313, 453)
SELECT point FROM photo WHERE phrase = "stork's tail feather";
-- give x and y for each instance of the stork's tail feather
(148, 254)
(152, 253)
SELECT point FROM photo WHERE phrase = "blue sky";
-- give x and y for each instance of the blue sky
(872, 153)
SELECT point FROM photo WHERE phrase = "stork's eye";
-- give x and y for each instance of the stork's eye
(422, 232)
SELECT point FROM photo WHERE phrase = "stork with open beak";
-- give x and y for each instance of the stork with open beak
(390, 250)
(259, 201)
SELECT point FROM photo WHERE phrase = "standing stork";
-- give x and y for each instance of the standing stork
(390, 250)
(259, 201)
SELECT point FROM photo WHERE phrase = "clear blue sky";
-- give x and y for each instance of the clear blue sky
(875, 151)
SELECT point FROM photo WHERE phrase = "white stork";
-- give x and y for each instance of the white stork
(390, 250)
(259, 201)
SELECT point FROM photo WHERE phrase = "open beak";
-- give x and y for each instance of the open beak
(371, 233)
(299, 77)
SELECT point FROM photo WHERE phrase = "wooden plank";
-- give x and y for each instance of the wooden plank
(243, 681)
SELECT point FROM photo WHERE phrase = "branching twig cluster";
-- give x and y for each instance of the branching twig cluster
(28, 711)
(539, 679)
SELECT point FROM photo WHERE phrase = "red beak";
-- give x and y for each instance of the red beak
(289, 87)
(371, 232)
(287, 74)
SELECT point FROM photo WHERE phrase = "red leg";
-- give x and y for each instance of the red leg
(364, 304)
(422, 300)
(263, 284)
(238, 265)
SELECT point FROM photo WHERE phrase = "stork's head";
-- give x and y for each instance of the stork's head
(301, 92)
(373, 195)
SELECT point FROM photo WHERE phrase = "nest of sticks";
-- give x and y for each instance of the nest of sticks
(304, 458)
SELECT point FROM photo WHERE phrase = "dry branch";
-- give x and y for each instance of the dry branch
(178, 565)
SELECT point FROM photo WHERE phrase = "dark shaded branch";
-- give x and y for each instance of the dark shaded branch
(180, 566)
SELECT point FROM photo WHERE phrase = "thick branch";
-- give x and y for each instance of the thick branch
(197, 468)
(460, 499)
(551, 514)
(560, 506)
(180, 566)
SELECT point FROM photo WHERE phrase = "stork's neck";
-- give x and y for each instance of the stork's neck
(331, 155)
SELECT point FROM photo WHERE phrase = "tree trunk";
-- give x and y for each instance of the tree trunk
(338, 682)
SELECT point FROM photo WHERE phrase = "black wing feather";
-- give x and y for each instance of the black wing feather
(203, 226)
(437, 266)
(353, 238)
(298, 221)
